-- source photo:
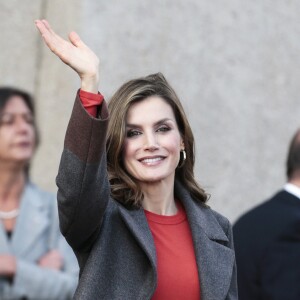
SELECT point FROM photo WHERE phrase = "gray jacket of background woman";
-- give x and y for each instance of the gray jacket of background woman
(113, 244)
(37, 232)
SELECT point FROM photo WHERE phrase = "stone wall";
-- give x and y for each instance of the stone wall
(235, 65)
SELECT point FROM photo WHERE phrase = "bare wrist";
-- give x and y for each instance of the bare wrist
(90, 83)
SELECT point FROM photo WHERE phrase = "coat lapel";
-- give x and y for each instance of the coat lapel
(32, 221)
(137, 223)
(215, 261)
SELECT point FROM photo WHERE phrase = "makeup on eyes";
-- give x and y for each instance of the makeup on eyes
(160, 126)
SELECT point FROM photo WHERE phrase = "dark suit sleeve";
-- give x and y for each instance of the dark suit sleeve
(267, 244)
(83, 188)
(280, 269)
(246, 260)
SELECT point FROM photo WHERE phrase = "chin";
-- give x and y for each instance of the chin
(24, 160)
(155, 179)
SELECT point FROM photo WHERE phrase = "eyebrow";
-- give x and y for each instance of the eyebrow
(6, 115)
(162, 121)
(16, 114)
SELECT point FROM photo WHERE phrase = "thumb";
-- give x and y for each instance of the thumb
(75, 39)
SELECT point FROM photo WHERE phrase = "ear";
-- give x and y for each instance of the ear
(182, 147)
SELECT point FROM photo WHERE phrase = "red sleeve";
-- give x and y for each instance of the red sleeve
(90, 101)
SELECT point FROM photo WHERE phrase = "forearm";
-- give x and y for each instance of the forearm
(34, 282)
(82, 179)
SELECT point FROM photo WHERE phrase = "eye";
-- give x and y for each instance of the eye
(132, 133)
(164, 128)
(28, 118)
(7, 120)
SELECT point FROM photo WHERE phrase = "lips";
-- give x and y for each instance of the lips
(23, 144)
(151, 160)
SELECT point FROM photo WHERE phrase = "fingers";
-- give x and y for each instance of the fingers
(55, 43)
(46, 32)
(74, 53)
(75, 39)
(47, 25)
(41, 27)
(53, 260)
(59, 46)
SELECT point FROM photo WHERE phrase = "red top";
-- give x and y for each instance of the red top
(176, 262)
(90, 101)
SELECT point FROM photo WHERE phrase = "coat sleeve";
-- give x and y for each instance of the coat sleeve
(249, 283)
(280, 269)
(34, 282)
(83, 188)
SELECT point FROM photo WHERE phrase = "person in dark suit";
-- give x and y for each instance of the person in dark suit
(129, 204)
(267, 241)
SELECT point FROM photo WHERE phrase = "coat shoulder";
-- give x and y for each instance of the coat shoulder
(41, 195)
(222, 220)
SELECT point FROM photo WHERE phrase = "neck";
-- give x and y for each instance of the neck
(295, 181)
(12, 181)
(159, 198)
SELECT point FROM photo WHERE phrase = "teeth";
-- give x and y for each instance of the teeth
(151, 160)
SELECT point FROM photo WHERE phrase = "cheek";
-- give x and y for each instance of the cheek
(130, 148)
(173, 144)
(127, 153)
(5, 136)
(32, 134)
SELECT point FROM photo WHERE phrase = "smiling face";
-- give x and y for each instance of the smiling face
(153, 142)
(17, 134)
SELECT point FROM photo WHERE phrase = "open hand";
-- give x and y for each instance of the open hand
(74, 53)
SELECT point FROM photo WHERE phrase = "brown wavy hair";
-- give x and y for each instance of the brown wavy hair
(124, 187)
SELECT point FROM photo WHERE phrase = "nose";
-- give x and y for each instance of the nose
(22, 125)
(150, 142)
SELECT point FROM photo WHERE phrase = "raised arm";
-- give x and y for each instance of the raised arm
(73, 53)
(83, 188)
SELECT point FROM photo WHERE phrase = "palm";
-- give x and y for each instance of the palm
(74, 53)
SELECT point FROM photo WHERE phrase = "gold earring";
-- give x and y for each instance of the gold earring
(184, 154)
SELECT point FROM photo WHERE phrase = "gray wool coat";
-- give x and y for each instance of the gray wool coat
(113, 244)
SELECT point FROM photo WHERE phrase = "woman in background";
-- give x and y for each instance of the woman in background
(35, 261)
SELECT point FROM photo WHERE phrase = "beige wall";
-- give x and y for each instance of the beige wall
(234, 64)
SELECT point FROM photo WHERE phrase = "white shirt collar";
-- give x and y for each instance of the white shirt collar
(292, 189)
